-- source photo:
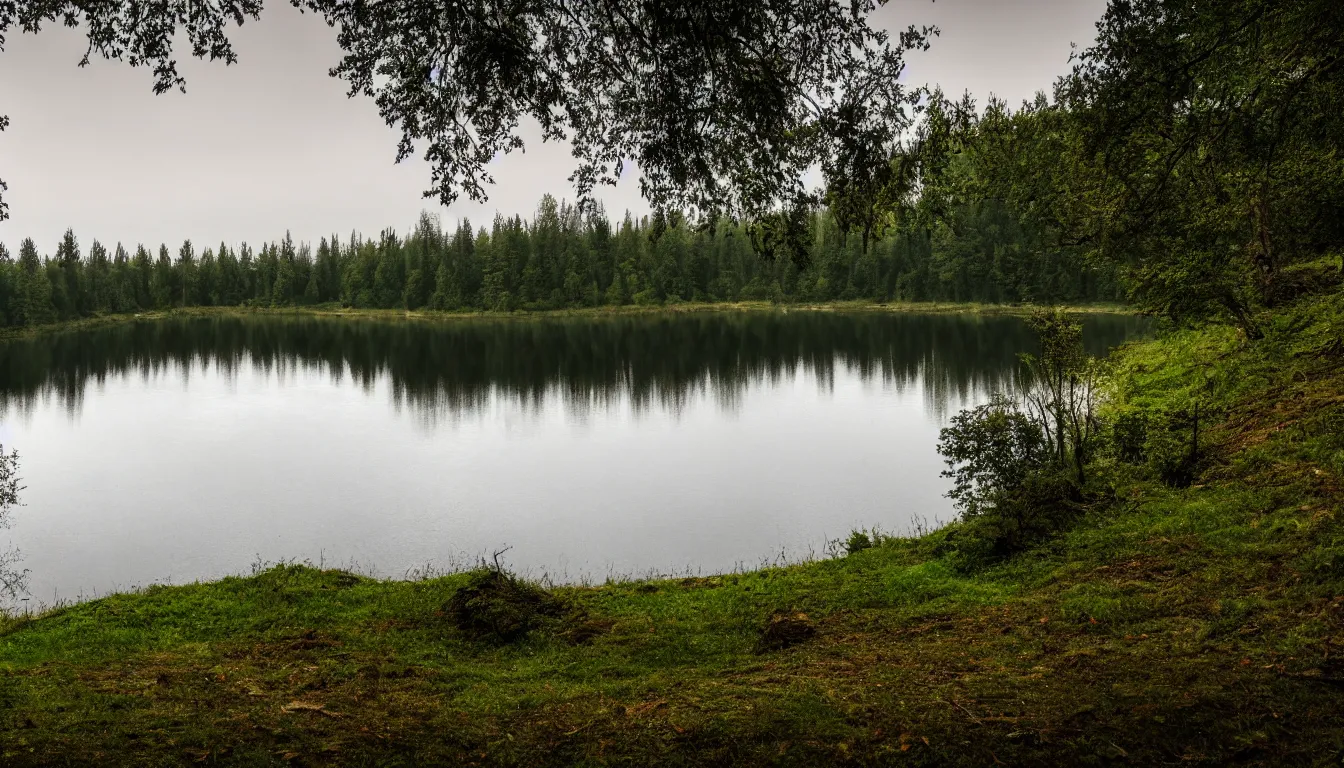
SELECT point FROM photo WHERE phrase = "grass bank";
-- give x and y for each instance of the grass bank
(335, 310)
(1195, 625)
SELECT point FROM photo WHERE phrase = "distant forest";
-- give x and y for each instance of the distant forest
(562, 258)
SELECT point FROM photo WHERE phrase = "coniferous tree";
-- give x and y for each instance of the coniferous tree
(162, 282)
(66, 278)
(97, 285)
(247, 274)
(207, 290)
(286, 278)
(142, 278)
(7, 287)
(187, 280)
(123, 282)
(977, 251)
(33, 289)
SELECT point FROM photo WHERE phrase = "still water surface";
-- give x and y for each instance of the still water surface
(176, 450)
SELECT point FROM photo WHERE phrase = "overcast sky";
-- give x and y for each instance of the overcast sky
(273, 144)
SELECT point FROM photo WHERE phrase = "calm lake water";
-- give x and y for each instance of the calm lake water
(170, 451)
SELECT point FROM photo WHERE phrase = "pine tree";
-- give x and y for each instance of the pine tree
(320, 284)
(284, 285)
(188, 278)
(142, 277)
(247, 275)
(162, 282)
(98, 283)
(312, 289)
(8, 271)
(207, 292)
(230, 277)
(33, 289)
(303, 273)
(123, 282)
(66, 288)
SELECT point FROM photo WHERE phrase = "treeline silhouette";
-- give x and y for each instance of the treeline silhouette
(456, 367)
(562, 258)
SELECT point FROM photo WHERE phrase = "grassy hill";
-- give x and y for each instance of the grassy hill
(1195, 625)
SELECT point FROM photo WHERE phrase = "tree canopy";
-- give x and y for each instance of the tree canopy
(723, 104)
(1196, 145)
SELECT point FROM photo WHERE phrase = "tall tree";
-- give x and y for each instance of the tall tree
(67, 289)
(33, 289)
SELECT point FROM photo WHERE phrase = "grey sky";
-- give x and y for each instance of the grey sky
(272, 143)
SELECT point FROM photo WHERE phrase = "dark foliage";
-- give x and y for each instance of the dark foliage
(1195, 144)
(722, 105)
(991, 451)
(1018, 474)
(13, 581)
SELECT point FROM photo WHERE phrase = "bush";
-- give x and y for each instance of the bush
(990, 452)
(13, 580)
(1129, 435)
(497, 607)
(1009, 490)
(857, 542)
(1172, 447)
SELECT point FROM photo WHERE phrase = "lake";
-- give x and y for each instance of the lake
(174, 450)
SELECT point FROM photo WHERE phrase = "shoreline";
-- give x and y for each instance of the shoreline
(423, 315)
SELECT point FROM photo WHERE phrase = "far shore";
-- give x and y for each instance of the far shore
(335, 310)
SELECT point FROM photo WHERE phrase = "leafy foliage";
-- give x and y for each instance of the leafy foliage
(1195, 144)
(1016, 473)
(991, 450)
(12, 580)
(722, 105)
(1060, 390)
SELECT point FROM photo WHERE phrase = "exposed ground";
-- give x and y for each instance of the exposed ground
(1202, 625)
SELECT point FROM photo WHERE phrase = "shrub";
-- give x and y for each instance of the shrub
(1129, 435)
(1172, 447)
(13, 581)
(1059, 388)
(990, 452)
(857, 542)
(1008, 488)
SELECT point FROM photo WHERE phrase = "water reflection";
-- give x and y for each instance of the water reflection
(166, 451)
(454, 367)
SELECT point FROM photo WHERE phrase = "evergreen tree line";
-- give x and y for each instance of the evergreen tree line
(562, 258)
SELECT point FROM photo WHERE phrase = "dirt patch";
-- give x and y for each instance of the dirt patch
(785, 629)
(579, 628)
(336, 579)
(311, 640)
(496, 607)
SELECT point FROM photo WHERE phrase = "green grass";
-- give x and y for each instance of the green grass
(1199, 625)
